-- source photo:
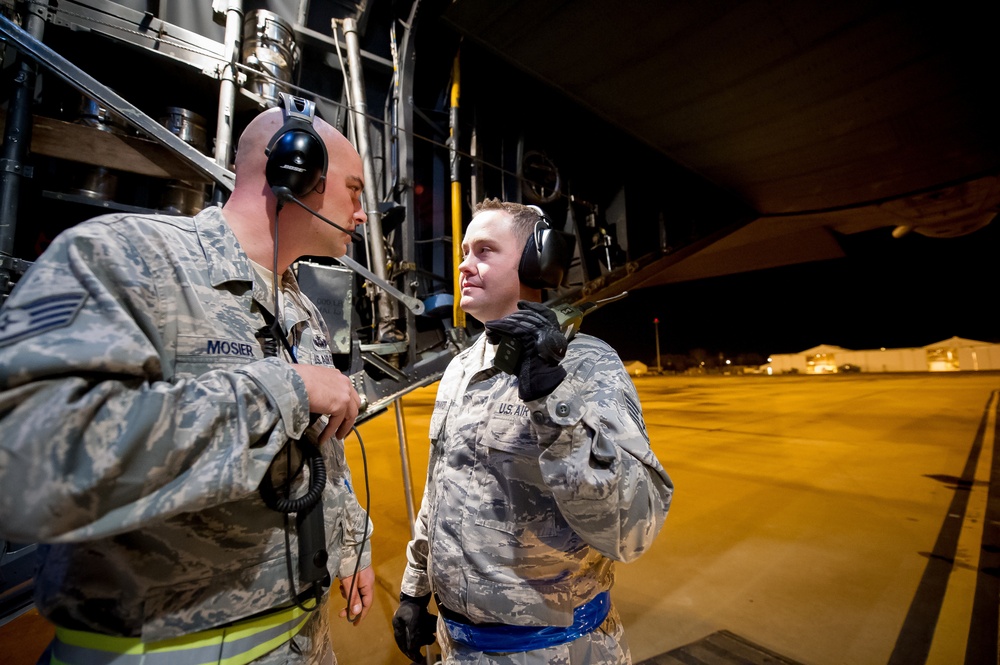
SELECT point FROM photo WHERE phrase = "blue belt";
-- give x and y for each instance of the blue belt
(505, 638)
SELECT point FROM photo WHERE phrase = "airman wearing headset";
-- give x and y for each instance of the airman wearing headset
(538, 479)
(145, 401)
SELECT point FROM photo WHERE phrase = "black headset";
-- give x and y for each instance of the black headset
(296, 155)
(546, 256)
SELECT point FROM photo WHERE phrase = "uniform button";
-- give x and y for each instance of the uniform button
(538, 417)
(562, 409)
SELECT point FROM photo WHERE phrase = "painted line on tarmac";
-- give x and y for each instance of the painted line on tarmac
(914, 640)
(957, 622)
(983, 631)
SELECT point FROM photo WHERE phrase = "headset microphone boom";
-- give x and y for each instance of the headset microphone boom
(285, 194)
(413, 304)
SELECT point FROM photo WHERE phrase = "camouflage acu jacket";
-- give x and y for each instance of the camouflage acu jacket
(139, 416)
(527, 505)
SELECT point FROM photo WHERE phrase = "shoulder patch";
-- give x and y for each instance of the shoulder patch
(635, 411)
(39, 316)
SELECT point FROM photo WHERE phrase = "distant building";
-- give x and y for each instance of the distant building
(951, 355)
(636, 368)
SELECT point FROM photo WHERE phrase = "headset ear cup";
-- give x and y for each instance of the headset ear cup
(296, 154)
(296, 160)
(528, 270)
(544, 267)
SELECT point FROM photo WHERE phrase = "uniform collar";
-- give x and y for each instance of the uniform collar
(477, 361)
(227, 262)
(292, 314)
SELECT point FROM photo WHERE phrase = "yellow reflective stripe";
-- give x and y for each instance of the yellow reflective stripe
(282, 634)
(247, 628)
(223, 643)
(134, 646)
(198, 654)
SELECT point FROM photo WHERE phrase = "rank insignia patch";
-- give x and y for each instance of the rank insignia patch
(39, 316)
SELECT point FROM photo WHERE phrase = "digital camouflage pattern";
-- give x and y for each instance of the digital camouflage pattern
(139, 416)
(528, 504)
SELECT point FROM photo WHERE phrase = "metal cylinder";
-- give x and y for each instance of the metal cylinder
(359, 112)
(179, 196)
(97, 182)
(187, 125)
(269, 47)
(92, 114)
(182, 198)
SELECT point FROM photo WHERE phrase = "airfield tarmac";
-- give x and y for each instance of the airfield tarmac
(817, 520)
(826, 519)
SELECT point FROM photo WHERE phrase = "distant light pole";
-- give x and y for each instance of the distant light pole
(656, 325)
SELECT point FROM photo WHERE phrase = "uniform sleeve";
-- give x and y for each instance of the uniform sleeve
(416, 581)
(607, 482)
(95, 441)
(354, 544)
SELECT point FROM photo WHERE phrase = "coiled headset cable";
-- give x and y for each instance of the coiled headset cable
(308, 507)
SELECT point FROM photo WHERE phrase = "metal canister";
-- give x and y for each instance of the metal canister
(179, 196)
(182, 198)
(97, 182)
(186, 125)
(269, 47)
(91, 113)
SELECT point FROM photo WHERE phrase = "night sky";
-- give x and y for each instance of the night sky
(891, 292)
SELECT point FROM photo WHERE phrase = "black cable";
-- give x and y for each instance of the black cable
(361, 548)
(311, 453)
(317, 483)
(313, 457)
(276, 323)
(318, 592)
(364, 537)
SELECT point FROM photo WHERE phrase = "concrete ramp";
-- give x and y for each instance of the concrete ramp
(720, 648)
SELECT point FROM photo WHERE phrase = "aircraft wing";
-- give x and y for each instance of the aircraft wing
(822, 118)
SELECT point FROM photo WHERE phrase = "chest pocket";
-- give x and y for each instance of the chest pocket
(515, 499)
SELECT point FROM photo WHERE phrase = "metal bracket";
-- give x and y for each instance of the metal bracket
(385, 367)
(17, 168)
(413, 304)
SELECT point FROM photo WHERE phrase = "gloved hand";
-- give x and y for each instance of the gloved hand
(413, 626)
(543, 345)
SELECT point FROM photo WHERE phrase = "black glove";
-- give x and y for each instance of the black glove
(535, 329)
(413, 626)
